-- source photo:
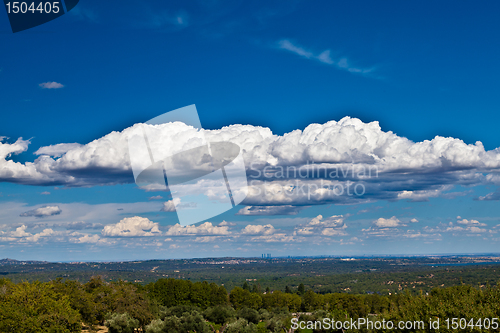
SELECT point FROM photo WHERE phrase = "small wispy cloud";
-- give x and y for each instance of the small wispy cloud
(287, 45)
(82, 13)
(181, 20)
(51, 85)
(167, 19)
(325, 57)
(57, 150)
(269, 210)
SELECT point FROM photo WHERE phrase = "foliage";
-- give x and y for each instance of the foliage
(97, 298)
(61, 306)
(188, 322)
(241, 326)
(277, 299)
(322, 275)
(36, 308)
(240, 298)
(121, 323)
(219, 314)
(250, 315)
(171, 292)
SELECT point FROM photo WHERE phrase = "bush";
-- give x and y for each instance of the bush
(275, 324)
(264, 314)
(188, 322)
(219, 314)
(121, 323)
(156, 326)
(194, 322)
(172, 325)
(178, 311)
(241, 326)
(251, 315)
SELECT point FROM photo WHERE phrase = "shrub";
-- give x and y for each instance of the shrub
(156, 326)
(241, 326)
(251, 315)
(188, 322)
(121, 323)
(194, 322)
(178, 311)
(219, 314)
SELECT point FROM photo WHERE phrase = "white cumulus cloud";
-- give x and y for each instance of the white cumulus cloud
(475, 223)
(324, 163)
(57, 150)
(206, 228)
(92, 239)
(258, 230)
(169, 206)
(330, 226)
(387, 223)
(43, 211)
(132, 227)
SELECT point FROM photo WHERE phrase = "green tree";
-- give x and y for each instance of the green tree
(171, 292)
(240, 298)
(220, 314)
(79, 298)
(353, 305)
(301, 290)
(36, 307)
(194, 322)
(251, 315)
(278, 299)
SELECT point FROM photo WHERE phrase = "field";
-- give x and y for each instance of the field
(382, 275)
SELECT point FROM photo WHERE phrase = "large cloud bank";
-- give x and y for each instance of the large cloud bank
(335, 162)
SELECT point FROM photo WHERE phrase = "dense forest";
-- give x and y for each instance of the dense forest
(180, 306)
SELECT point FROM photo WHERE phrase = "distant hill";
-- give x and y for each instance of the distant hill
(8, 261)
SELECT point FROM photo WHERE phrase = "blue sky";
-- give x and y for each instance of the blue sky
(420, 69)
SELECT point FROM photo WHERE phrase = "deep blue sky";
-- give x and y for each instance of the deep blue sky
(437, 63)
(434, 71)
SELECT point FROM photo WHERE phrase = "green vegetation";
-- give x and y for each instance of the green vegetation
(323, 275)
(174, 305)
(265, 295)
(36, 307)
